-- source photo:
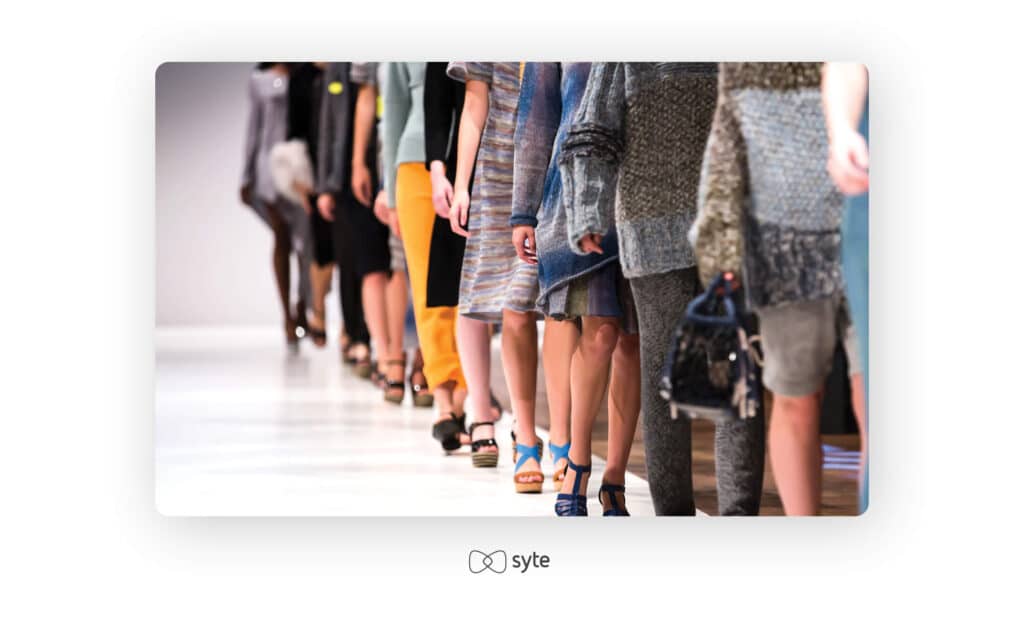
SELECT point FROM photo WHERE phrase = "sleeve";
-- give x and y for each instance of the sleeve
(438, 113)
(364, 73)
(592, 152)
(330, 145)
(717, 233)
(540, 109)
(252, 136)
(397, 103)
(464, 71)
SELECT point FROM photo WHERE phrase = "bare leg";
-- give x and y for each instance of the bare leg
(588, 381)
(623, 406)
(397, 300)
(474, 341)
(376, 313)
(560, 341)
(795, 448)
(320, 280)
(519, 358)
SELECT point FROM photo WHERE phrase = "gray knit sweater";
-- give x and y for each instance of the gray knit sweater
(768, 206)
(632, 160)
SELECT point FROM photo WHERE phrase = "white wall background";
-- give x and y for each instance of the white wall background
(213, 255)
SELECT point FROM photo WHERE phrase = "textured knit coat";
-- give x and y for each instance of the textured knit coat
(632, 160)
(548, 101)
(768, 206)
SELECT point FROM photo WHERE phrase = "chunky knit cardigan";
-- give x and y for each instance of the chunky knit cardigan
(767, 204)
(632, 160)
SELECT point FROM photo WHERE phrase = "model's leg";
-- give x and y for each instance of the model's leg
(623, 409)
(857, 394)
(588, 383)
(519, 360)
(396, 301)
(320, 280)
(739, 466)
(795, 443)
(561, 339)
(660, 301)
(474, 343)
(376, 313)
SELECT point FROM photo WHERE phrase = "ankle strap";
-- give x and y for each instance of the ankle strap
(578, 468)
(613, 488)
(476, 424)
(558, 451)
(526, 452)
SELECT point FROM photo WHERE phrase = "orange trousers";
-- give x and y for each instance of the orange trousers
(435, 326)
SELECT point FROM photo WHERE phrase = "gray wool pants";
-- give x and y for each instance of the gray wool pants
(661, 300)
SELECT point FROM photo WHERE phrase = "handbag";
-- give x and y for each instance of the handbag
(712, 369)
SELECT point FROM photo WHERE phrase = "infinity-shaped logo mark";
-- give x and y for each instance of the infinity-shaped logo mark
(495, 561)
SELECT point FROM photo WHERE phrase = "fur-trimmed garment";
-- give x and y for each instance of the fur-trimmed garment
(767, 204)
(632, 156)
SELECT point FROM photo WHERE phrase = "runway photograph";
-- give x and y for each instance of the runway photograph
(511, 289)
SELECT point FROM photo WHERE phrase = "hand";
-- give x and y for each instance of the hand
(440, 190)
(325, 204)
(361, 187)
(848, 161)
(246, 194)
(380, 208)
(525, 240)
(307, 207)
(458, 216)
(591, 243)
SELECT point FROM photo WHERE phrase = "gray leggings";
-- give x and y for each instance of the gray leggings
(739, 447)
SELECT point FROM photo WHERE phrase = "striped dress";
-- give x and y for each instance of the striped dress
(493, 277)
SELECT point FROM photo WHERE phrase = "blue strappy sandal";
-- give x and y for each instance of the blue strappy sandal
(525, 453)
(610, 490)
(557, 453)
(574, 504)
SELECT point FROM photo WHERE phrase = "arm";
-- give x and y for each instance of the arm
(590, 159)
(364, 118)
(540, 109)
(438, 114)
(844, 91)
(471, 128)
(717, 232)
(397, 104)
(252, 140)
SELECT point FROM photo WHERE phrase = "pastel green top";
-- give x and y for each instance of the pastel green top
(402, 122)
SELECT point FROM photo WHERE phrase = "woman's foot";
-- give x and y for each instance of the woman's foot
(572, 501)
(560, 458)
(318, 328)
(613, 499)
(449, 431)
(483, 445)
(528, 477)
(421, 395)
(359, 355)
(394, 380)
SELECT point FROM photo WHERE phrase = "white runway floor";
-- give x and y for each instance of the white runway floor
(242, 428)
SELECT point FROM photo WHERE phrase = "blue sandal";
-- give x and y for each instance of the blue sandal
(610, 490)
(574, 504)
(525, 453)
(557, 453)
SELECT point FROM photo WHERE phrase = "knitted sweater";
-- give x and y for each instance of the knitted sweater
(548, 101)
(768, 206)
(632, 159)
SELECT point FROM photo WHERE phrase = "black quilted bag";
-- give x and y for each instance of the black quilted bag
(712, 369)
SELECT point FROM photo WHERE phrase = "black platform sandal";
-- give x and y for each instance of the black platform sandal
(394, 390)
(483, 459)
(449, 431)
